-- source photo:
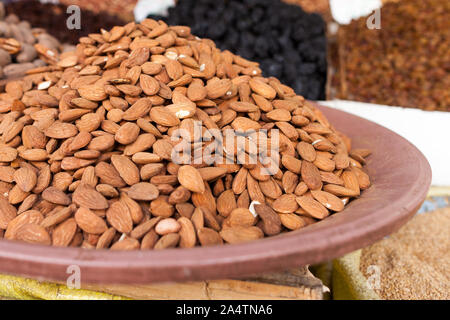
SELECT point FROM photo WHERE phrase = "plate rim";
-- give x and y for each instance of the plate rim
(228, 261)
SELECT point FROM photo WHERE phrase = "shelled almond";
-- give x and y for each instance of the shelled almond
(88, 143)
(23, 47)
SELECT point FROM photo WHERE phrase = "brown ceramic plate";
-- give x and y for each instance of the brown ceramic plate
(400, 177)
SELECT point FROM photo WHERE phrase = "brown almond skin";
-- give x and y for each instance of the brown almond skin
(312, 207)
(87, 147)
(63, 234)
(271, 220)
(56, 196)
(126, 244)
(187, 233)
(241, 234)
(88, 197)
(167, 241)
(311, 175)
(7, 212)
(191, 179)
(89, 221)
(208, 237)
(128, 171)
(143, 191)
(119, 217)
(33, 233)
(226, 203)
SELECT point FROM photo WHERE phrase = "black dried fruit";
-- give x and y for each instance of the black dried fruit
(289, 43)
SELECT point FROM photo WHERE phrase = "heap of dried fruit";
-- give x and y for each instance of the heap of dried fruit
(405, 63)
(57, 15)
(289, 43)
(23, 47)
(87, 148)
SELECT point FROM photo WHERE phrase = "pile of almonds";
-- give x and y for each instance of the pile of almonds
(86, 148)
(23, 47)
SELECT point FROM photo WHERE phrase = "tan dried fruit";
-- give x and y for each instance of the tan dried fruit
(226, 203)
(33, 233)
(127, 170)
(209, 237)
(285, 204)
(56, 196)
(311, 175)
(89, 146)
(143, 191)
(328, 200)
(119, 217)
(87, 196)
(312, 207)
(271, 222)
(7, 212)
(241, 234)
(292, 221)
(25, 178)
(191, 179)
(89, 221)
(63, 234)
(240, 217)
(187, 233)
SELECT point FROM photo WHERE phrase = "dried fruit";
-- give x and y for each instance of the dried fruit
(152, 139)
(191, 179)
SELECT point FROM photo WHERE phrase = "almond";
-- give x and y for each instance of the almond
(311, 175)
(240, 217)
(33, 233)
(328, 200)
(93, 93)
(241, 234)
(61, 130)
(56, 196)
(111, 146)
(119, 217)
(163, 116)
(209, 237)
(7, 154)
(285, 204)
(126, 244)
(25, 178)
(143, 191)
(149, 85)
(166, 226)
(127, 170)
(187, 233)
(89, 221)
(7, 212)
(168, 241)
(312, 207)
(127, 133)
(87, 196)
(191, 179)
(226, 203)
(271, 222)
(262, 89)
(140, 108)
(292, 221)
